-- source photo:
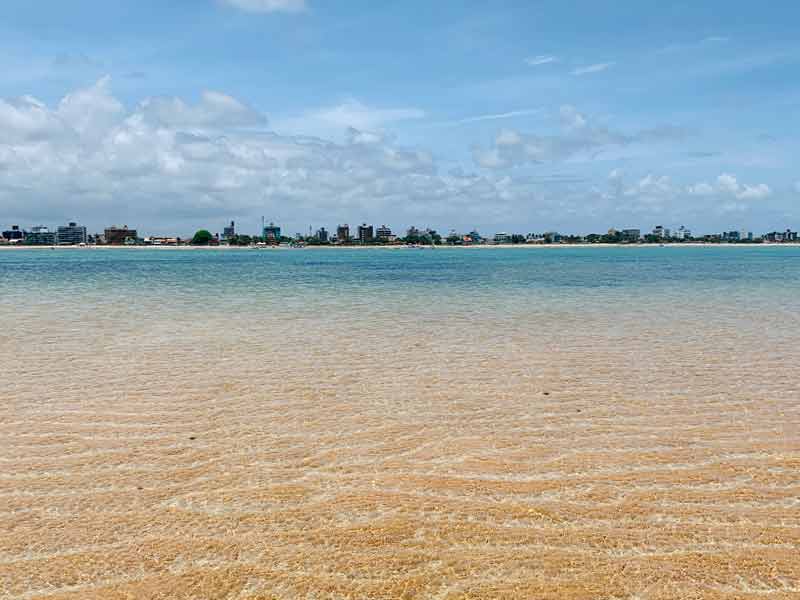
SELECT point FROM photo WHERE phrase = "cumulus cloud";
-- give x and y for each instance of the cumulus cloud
(596, 68)
(174, 162)
(267, 6)
(728, 185)
(579, 137)
(651, 192)
(214, 110)
(168, 165)
(701, 189)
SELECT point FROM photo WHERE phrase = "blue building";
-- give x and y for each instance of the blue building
(15, 234)
(71, 235)
(272, 233)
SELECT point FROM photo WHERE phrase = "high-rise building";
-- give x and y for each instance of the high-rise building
(71, 235)
(229, 232)
(40, 236)
(731, 236)
(366, 234)
(322, 234)
(118, 236)
(658, 231)
(272, 233)
(631, 235)
(14, 234)
(343, 234)
(384, 234)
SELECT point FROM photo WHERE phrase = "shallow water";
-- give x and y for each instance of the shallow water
(531, 423)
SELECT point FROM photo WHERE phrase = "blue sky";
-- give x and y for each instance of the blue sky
(525, 116)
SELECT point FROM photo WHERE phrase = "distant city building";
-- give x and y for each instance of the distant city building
(366, 234)
(631, 235)
(161, 241)
(778, 236)
(552, 237)
(322, 234)
(502, 238)
(71, 235)
(682, 233)
(473, 237)
(14, 234)
(41, 236)
(384, 234)
(118, 236)
(271, 233)
(229, 232)
(659, 231)
(343, 233)
(731, 236)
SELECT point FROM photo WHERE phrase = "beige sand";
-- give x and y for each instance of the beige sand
(461, 459)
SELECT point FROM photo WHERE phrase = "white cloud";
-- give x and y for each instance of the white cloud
(651, 185)
(334, 121)
(535, 61)
(214, 110)
(525, 112)
(580, 138)
(26, 119)
(728, 185)
(571, 118)
(170, 165)
(701, 189)
(596, 68)
(180, 164)
(267, 6)
(490, 159)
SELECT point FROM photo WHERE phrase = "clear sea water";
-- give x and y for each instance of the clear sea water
(476, 423)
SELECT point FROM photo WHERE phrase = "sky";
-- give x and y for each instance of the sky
(521, 116)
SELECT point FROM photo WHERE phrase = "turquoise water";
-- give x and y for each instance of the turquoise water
(548, 271)
(684, 290)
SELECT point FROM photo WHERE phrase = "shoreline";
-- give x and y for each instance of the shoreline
(17, 247)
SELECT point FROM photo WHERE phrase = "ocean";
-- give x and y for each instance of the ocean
(574, 422)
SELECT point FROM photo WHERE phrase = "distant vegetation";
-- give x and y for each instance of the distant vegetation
(202, 238)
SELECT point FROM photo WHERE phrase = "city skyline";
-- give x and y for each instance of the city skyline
(364, 233)
(521, 115)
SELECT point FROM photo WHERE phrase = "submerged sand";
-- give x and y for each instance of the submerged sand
(471, 456)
